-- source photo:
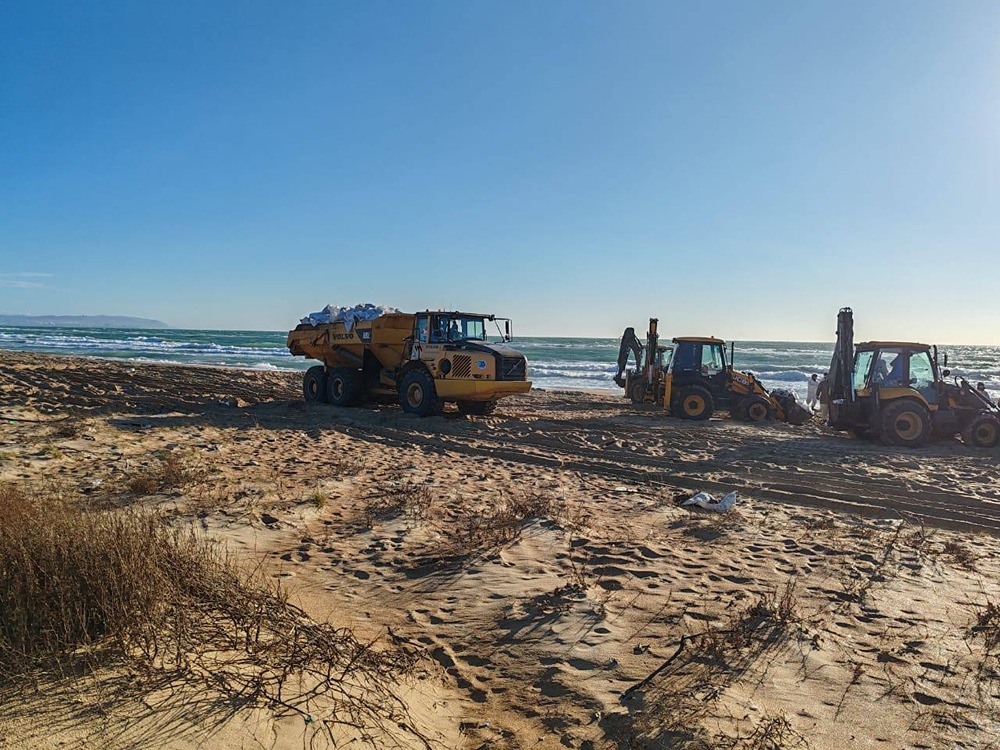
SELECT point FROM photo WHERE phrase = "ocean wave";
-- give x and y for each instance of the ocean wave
(573, 375)
(146, 345)
(591, 367)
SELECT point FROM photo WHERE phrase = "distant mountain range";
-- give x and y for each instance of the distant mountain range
(80, 321)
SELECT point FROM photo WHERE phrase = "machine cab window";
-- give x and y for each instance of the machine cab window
(890, 369)
(922, 376)
(440, 326)
(423, 329)
(451, 328)
(468, 328)
(921, 370)
(686, 357)
(713, 359)
(663, 354)
(862, 366)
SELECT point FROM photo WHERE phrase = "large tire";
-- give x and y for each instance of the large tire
(343, 386)
(637, 391)
(982, 432)
(693, 402)
(417, 394)
(906, 423)
(759, 410)
(314, 384)
(477, 408)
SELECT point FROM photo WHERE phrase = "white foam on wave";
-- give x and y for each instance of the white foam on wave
(143, 345)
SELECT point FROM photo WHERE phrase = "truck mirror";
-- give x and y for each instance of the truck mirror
(507, 327)
(946, 373)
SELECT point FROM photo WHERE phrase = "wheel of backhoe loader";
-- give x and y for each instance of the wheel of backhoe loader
(982, 432)
(759, 410)
(906, 423)
(693, 402)
(343, 386)
(477, 408)
(417, 394)
(314, 384)
(637, 391)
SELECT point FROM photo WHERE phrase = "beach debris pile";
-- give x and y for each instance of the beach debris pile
(707, 501)
(349, 315)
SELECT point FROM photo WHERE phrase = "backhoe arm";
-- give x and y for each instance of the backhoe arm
(631, 344)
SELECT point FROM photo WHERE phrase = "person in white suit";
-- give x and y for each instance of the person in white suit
(813, 385)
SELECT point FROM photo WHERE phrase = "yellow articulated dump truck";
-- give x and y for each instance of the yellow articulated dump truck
(424, 360)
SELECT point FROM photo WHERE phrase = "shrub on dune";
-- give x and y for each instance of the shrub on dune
(101, 588)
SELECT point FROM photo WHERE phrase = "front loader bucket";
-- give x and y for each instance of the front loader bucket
(795, 413)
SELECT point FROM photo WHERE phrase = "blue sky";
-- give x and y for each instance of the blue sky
(740, 169)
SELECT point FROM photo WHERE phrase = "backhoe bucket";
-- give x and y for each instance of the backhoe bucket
(796, 413)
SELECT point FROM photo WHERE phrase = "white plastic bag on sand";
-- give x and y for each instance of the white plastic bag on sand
(708, 502)
(349, 315)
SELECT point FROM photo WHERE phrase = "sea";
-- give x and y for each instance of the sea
(553, 362)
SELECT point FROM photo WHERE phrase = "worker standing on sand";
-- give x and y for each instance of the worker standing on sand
(823, 396)
(813, 385)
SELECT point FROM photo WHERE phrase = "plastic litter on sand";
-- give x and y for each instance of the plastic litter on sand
(708, 502)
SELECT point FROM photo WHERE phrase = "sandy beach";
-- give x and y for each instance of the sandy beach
(540, 566)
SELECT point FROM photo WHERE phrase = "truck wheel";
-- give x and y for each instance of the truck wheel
(759, 410)
(343, 386)
(906, 423)
(417, 394)
(314, 384)
(693, 402)
(477, 408)
(982, 432)
(637, 392)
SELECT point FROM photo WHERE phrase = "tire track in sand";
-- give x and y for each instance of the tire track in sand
(863, 496)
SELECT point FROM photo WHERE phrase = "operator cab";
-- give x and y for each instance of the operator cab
(699, 359)
(457, 327)
(894, 364)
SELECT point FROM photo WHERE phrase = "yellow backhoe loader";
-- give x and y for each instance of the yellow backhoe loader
(892, 390)
(692, 379)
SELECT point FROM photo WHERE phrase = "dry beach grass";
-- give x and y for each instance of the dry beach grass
(526, 580)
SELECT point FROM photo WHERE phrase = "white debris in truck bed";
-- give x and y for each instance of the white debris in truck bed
(349, 315)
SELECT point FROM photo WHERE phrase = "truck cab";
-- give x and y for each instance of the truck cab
(468, 362)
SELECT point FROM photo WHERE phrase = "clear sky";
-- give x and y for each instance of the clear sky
(741, 169)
